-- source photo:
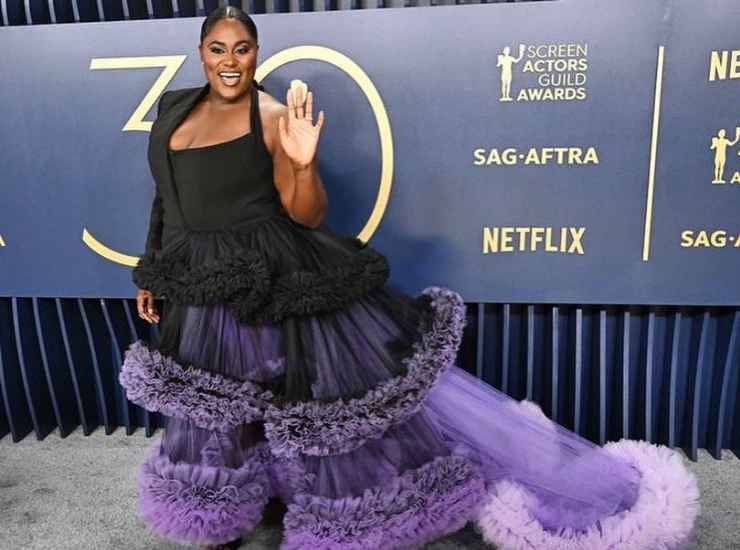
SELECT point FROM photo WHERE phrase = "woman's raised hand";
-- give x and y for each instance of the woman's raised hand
(145, 306)
(298, 135)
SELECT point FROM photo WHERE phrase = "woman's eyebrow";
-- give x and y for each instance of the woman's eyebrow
(222, 44)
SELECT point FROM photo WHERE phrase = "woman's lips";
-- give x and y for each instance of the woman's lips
(229, 78)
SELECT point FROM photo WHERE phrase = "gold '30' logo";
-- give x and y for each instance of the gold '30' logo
(172, 63)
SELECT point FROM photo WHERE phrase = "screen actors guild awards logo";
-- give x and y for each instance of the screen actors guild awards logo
(548, 72)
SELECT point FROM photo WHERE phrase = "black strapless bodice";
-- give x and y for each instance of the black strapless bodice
(225, 183)
(222, 184)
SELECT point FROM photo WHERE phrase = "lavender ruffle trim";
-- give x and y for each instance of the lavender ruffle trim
(663, 516)
(320, 428)
(210, 400)
(415, 508)
(198, 504)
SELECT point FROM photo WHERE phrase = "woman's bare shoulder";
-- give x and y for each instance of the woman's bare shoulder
(271, 107)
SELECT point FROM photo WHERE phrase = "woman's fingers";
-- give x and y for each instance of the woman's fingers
(146, 307)
(151, 309)
(298, 106)
(309, 107)
(144, 315)
(291, 106)
(299, 113)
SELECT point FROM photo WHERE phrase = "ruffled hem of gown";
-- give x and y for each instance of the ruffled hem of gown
(661, 518)
(416, 507)
(213, 504)
(201, 503)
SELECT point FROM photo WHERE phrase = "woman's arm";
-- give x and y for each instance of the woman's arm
(301, 190)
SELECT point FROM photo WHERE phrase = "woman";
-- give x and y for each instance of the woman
(286, 368)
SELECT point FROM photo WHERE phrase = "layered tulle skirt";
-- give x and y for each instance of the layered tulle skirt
(287, 368)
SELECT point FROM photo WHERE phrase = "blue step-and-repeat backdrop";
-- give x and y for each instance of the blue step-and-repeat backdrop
(539, 153)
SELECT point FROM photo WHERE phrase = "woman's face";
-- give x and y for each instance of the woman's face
(229, 55)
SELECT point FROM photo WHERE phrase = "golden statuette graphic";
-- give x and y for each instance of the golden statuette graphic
(506, 62)
(720, 143)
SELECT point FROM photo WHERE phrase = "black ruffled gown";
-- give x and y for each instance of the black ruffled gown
(287, 368)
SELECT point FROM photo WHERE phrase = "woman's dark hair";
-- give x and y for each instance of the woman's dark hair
(226, 12)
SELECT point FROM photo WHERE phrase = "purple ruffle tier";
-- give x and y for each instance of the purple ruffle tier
(200, 503)
(414, 508)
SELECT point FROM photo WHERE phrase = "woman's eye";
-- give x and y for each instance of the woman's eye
(240, 50)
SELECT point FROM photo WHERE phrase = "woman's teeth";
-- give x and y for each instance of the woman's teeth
(229, 78)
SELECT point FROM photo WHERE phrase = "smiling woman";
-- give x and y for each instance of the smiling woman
(235, 61)
(288, 370)
(229, 60)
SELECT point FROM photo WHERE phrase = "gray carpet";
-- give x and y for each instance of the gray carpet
(80, 493)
